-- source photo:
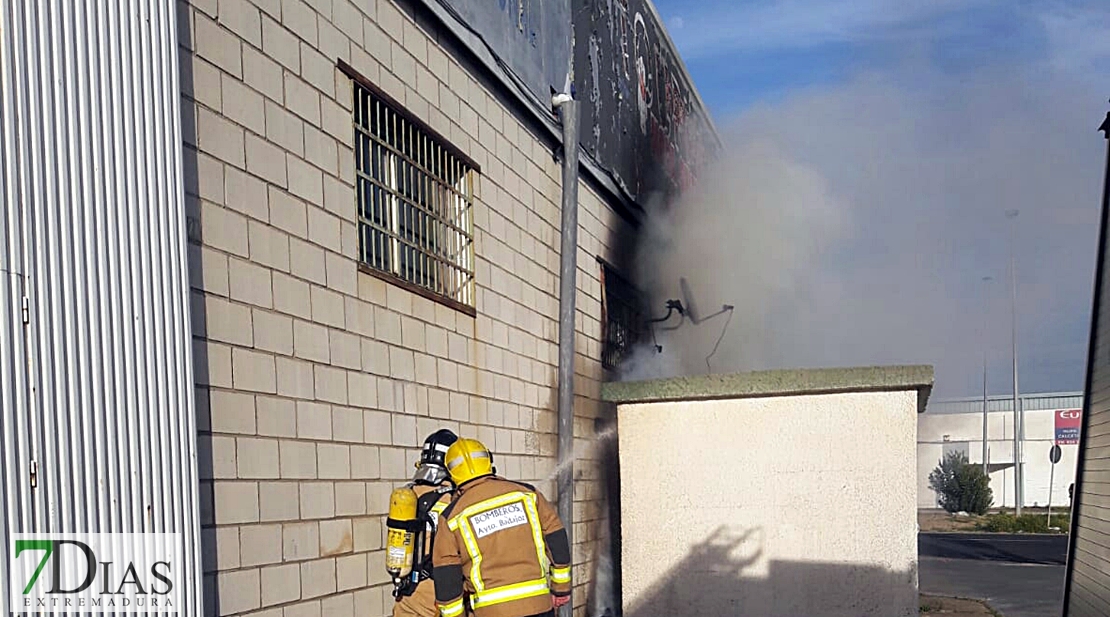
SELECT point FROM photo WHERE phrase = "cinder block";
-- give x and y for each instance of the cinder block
(243, 19)
(376, 568)
(298, 17)
(300, 541)
(334, 461)
(291, 296)
(303, 609)
(273, 332)
(298, 460)
(307, 261)
(339, 197)
(393, 464)
(263, 74)
(362, 391)
(216, 457)
(412, 333)
(379, 428)
(302, 99)
(310, 341)
(288, 213)
(317, 578)
(280, 44)
(377, 498)
(253, 371)
(284, 128)
(231, 412)
(220, 138)
(295, 379)
(322, 150)
(208, 270)
(281, 584)
(217, 45)
(209, 174)
(404, 430)
(306, 181)
(331, 384)
(226, 321)
(436, 341)
(317, 70)
(425, 369)
(335, 120)
(346, 350)
(239, 591)
(278, 501)
(350, 574)
(260, 545)
(336, 538)
(327, 307)
(375, 357)
(358, 317)
(220, 548)
(266, 161)
(257, 458)
(350, 498)
(245, 194)
(342, 273)
(439, 404)
(235, 502)
(365, 464)
(223, 229)
(323, 227)
(347, 422)
(368, 533)
(317, 500)
(402, 364)
(313, 420)
(269, 246)
(243, 105)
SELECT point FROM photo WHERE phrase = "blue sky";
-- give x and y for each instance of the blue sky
(890, 136)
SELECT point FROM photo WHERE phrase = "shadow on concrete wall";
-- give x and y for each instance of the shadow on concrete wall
(727, 575)
(194, 229)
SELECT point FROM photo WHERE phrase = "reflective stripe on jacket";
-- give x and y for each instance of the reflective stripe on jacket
(496, 538)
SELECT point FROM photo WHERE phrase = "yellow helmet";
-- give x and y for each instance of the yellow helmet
(468, 459)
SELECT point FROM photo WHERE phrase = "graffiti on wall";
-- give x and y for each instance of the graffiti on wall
(532, 37)
(641, 118)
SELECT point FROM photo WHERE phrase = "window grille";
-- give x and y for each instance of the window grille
(415, 202)
(624, 320)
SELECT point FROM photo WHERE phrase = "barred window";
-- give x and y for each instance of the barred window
(415, 202)
(624, 320)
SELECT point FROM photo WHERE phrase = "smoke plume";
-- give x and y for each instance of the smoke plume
(852, 225)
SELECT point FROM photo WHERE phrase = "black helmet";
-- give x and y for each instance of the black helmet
(431, 468)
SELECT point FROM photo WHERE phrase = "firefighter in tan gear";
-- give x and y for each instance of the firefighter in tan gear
(500, 548)
(433, 487)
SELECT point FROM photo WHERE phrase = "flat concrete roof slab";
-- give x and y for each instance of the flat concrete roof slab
(785, 382)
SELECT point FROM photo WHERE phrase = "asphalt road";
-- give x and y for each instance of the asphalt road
(1019, 575)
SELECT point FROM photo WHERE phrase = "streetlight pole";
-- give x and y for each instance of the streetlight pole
(986, 320)
(1019, 479)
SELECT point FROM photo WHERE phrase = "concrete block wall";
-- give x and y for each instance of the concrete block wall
(316, 382)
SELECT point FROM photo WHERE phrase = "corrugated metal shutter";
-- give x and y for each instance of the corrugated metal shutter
(1088, 572)
(97, 381)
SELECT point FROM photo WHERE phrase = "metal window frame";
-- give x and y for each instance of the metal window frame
(621, 310)
(455, 258)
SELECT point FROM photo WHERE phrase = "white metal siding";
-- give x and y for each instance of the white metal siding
(97, 385)
(1088, 578)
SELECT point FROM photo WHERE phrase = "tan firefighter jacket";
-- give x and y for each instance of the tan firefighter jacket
(422, 601)
(500, 551)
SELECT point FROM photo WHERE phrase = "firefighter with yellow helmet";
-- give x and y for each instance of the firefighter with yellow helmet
(500, 549)
(413, 515)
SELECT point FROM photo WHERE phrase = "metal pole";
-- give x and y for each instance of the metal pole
(986, 319)
(568, 289)
(1019, 497)
(1051, 477)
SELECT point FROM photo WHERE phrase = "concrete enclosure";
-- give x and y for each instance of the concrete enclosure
(776, 494)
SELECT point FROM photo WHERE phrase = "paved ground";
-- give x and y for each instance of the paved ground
(1019, 575)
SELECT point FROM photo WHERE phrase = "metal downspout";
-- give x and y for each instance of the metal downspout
(568, 289)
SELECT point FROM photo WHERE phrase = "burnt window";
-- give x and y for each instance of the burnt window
(415, 202)
(624, 320)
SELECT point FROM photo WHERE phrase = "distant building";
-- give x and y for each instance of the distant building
(956, 425)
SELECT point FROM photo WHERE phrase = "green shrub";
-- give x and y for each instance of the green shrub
(962, 487)
(1026, 523)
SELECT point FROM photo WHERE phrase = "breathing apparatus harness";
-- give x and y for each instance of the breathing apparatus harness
(411, 526)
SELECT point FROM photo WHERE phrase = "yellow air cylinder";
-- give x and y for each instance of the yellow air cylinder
(402, 525)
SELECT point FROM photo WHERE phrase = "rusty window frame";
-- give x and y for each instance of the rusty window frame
(624, 318)
(415, 200)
